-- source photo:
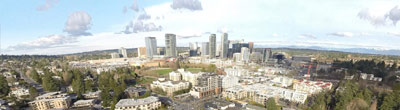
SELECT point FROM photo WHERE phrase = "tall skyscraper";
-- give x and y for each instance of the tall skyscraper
(193, 45)
(212, 46)
(170, 45)
(224, 45)
(123, 53)
(151, 46)
(251, 46)
(205, 49)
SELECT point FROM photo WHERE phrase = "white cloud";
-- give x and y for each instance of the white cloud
(187, 4)
(44, 42)
(135, 6)
(394, 14)
(394, 34)
(142, 23)
(78, 23)
(275, 35)
(307, 36)
(48, 4)
(342, 34)
(380, 15)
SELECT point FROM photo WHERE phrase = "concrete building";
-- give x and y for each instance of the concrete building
(151, 46)
(142, 52)
(312, 87)
(267, 54)
(19, 92)
(133, 92)
(169, 86)
(256, 57)
(123, 53)
(236, 71)
(229, 81)
(205, 49)
(84, 104)
(282, 81)
(237, 57)
(251, 46)
(175, 76)
(245, 54)
(149, 103)
(52, 100)
(160, 51)
(115, 55)
(212, 46)
(181, 74)
(260, 93)
(224, 45)
(209, 85)
(170, 45)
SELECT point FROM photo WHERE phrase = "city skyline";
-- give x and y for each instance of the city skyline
(62, 27)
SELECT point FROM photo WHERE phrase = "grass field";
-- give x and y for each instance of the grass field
(194, 69)
(163, 71)
(145, 80)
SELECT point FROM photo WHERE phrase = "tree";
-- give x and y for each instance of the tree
(211, 68)
(271, 104)
(48, 83)
(33, 92)
(394, 67)
(89, 86)
(105, 97)
(77, 86)
(35, 76)
(4, 88)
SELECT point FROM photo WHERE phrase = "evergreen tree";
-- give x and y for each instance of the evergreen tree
(77, 86)
(89, 86)
(48, 83)
(4, 88)
(35, 76)
(33, 92)
(105, 97)
(271, 104)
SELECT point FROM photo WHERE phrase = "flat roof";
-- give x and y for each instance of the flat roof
(136, 102)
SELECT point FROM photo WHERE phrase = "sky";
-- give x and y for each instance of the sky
(52, 27)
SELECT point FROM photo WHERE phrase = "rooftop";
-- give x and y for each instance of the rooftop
(136, 102)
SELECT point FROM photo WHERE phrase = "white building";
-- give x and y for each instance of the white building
(229, 81)
(312, 87)
(245, 54)
(123, 53)
(19, 92)
(149, 103)
(283, 81)
(236, 71)
(169, 86)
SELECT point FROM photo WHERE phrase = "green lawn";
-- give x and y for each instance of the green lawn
(145, 80)
(163, 71)
(194, 69)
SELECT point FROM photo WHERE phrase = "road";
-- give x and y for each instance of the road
(30, 81)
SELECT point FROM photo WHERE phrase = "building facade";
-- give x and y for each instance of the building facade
(212, 46)
(170, 45)
(141, 52)
(52, 100)
(205, 49)
(224, 45)
(149, 103)
(123, 53)
(151, 46)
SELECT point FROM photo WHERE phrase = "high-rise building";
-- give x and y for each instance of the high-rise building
(205, 49)
(141, 52)
(218, 50)
(170, 45)
(245, 54)
(151, 46)
(224, 45)
(267, 54)
(160, 51)
(251, 46)
(115, 55)
(212, 46)
(193, 45)
(123, 53)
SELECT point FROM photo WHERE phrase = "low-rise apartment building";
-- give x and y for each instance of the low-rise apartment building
(169, 86)
(52, 100)
(149, 103)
